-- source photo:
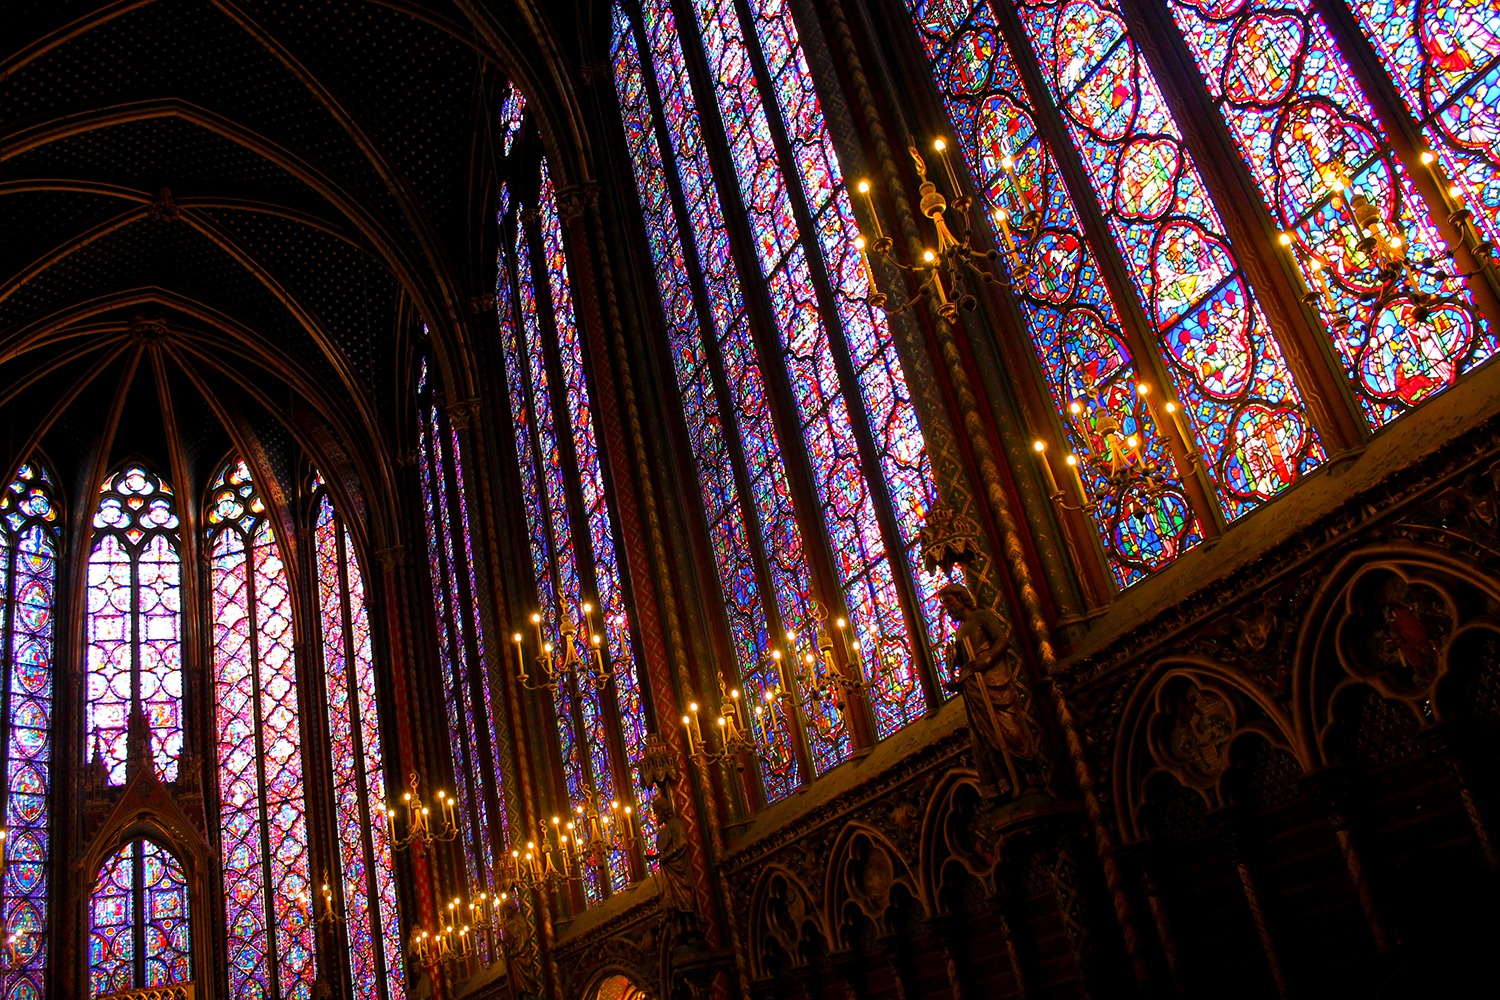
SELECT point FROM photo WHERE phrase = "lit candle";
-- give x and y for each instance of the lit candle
(864, 262)
(1040, 447)
(1072, 462)
(390, 823)
(687, 727)
(520, 658)
(864, 189)
(942, 151)
(536, 622)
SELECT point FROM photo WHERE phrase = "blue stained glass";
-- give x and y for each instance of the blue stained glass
(1227, 369)
(1074, 324)
(1304, 126)
(690, 340)
(140, 931)
(28, 569)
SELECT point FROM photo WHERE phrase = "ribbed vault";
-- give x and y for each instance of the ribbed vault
(230, 213)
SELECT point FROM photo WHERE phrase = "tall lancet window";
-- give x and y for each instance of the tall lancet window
(367, 876)
(140, 929)
(262, 803)
(773, 337)
(28, 577)
(134, 622)
(456, 600)
(578, 575)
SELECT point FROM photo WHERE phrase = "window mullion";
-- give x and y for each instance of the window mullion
(714, 365)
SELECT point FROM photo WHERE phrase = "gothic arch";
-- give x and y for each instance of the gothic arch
(948, 838)
(1380, 640)
(1182, 723)
(864, 870)
(783, 916)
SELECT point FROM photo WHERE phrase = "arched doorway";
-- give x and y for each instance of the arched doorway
(619, 988)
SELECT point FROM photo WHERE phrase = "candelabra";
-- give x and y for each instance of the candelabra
(420, 824)
(1373, 262)
(947, 272)
(733, 738)
(578, 653)
(1109, 427)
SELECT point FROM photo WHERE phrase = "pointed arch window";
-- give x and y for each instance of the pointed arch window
(262, 804)
(140, 931)
(29, 516)
(462, 651)
(569, 517)
(134, 621)
(367, 877)
(772, 338)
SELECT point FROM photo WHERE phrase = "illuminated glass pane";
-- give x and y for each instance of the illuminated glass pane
(1073, 322)
(1305, 128)
(1229, 372)
(461, 644)
(134, 622)
(691, 341)
(862, 561)
(140, 931)
(1444, 56)
(28, 572)
(366, 864)
(262, 811)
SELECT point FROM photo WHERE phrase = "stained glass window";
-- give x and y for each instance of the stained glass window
(140, 934)
(716, 370)
(1225, 366)
(461, 645)
(577, 570)
(262, 809)
(1444, 56)
(134, 622)
(28, 575)
(1074, 323)
(1305, 129)
(782, 152)
(366, 864)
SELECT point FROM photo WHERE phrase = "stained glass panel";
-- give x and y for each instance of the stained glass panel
(695, 343)
(1444, 56)
(460, 634)
(609, 616)
(366, 863)
(862, 561)
(1305, 128)
(1229, 372)
(140, 932)
(902, 454)
(134, 622)
(263, 822)
(1073, 321)
(28, 568)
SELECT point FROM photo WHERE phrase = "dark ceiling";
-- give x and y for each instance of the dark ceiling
(218, 221)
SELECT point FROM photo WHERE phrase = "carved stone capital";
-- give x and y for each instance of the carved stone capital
(461, 414)
(391, 557)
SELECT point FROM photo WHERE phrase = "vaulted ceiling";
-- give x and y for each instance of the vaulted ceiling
(218, 218)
